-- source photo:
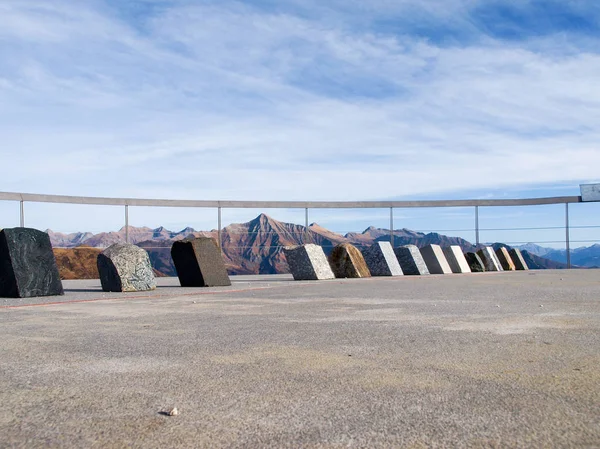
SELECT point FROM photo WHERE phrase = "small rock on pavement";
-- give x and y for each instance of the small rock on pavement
(173, 411)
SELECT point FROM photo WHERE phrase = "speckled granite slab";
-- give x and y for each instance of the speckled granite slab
(435, 259)
(411, 261)
(308, 262)
(27, 264)
(518, 260)
(505, 259)
(456, 259)
(199, 263)
(489, 259)
(475, 263)
(125, 268)
(381, 260)
(347, 262)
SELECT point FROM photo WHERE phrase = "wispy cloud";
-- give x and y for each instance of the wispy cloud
(297, 100)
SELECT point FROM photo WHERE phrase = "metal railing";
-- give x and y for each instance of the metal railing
(22, 198)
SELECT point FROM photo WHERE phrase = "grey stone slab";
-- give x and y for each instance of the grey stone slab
(348, 262)
(27, 264)
(381, 260)
(489, 259)
(308, 262)
(411, 261)
(199, 263)
(475, 263)
(505, 259)
(125, 268)
(518, 259)
(435, 259)
(456, 259)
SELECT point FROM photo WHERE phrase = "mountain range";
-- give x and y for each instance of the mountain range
(256, 246)
(587, 256)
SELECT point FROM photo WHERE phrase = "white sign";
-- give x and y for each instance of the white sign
(590, 192)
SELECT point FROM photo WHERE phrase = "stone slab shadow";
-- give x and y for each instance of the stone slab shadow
(518, 259)
(505, 259)
(456, 259)
(348, 262)
(411, 261)
(27, 264)
(435, 259)
(308, 262)
(475, 263)
(199, 263)
(124, 267)
(381, 260)
(489, 259)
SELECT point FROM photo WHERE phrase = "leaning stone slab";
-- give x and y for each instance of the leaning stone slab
(348, 262)
(381, 260)
(518, 260)
(411, 261)
(435, 259)
(475, 263)
(505, 259)
(489, 259)
(456, 259)
(199, 263)
(497, 260)
(27, 264)
(308, 262)
(125, 268)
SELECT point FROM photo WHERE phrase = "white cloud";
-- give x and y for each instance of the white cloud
(226, 101)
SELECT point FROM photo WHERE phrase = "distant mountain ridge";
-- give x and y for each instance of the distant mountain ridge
(105, 239)
(256, 246)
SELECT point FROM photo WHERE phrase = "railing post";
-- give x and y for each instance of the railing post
(567, 237)
(477, 225)
(126, 223)
(392, 226)
(306, 225)
(22, 214)
(219, 228)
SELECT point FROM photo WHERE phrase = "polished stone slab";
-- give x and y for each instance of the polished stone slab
(199, 263)
(489, 259)
(475, 263)
(505, 259)
(27, 264)
(497, 260)
(308, 262)
(456, 259)
(381, 260)
(518, 260)
(124, 267)
(435, 259)
(410, 260)
(348, 262)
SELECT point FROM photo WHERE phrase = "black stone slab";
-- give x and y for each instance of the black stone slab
(199, 263)
(475, 262)
(517, 259)
(27, 264)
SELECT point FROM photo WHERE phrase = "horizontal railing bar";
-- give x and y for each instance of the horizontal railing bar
(63, 199)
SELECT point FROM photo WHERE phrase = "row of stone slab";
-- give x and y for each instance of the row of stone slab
(28, 266)
(308, 262)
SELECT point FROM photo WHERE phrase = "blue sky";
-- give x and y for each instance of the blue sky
(299, 100)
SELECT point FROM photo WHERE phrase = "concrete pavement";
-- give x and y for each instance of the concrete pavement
(477, 360)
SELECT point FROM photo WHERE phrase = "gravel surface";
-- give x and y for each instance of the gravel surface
(475, 360)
